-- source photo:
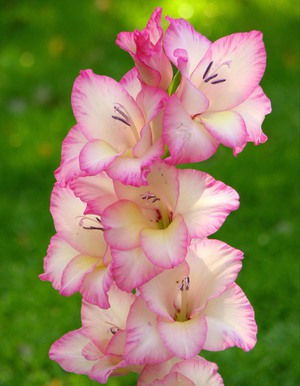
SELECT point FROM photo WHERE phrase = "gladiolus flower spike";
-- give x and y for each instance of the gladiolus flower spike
(133, 231)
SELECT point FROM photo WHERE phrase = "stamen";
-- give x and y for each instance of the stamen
(124, 117)
(206, 80)
(114, 330)
(210, 78)
(120, 119)
(185, 284)
(207, 70)
(93, 220)
(218, 81)
(118, 109)
(149, 196)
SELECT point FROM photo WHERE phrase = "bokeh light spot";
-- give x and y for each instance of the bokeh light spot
(103, 5)
(186, 11)
(15, 140)
(210, 10)
(56, 45)
(27, 59)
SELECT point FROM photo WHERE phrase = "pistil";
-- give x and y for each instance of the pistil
(184, 287)
(165, 215)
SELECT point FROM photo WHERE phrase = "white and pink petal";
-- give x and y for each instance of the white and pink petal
(199, 371)
(96, 156)
(99, 324)
(123, 222)
(230, 321)
(106, 366)
(96, 191)
(187, 139)
(184, 45)
(67, 352)
(151, 101)
(213, 266)
(70, 224)
(59, 255)
(163, 182)
(161, 292)
(143, 343)
(132, 269)
(131, 82)
(157, 371)
(231, 69)
(134, 170)
(75, 272)
(105, 111)
(166, 248)
(253, 110)
(204, 202)
(96, 284)
(192, 99)
(190, 336)
(69, 168)
(228, 127)
(173, 379)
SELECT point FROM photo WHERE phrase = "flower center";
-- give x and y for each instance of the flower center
(122, 115)
(163, 215)
(181, 314)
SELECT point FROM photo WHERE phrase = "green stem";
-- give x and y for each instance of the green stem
(175, 83)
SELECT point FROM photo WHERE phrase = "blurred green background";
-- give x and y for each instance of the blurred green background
(44, 44)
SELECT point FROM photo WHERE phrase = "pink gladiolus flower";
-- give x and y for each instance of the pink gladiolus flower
(219, 100)
(74, 142)
(78, 257)
(145, 47)
(119, 126)
(149, 228)
(193, 372)
(197, 305)
(96, 348)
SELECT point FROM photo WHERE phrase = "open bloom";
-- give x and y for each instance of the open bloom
(78, 257)
(145, 47)
(96, 348)
(197, 305)
(219, 100)
(118, 129)
(192, 372)
(149, 228)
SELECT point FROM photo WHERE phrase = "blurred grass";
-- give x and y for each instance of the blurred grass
(43, 47)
